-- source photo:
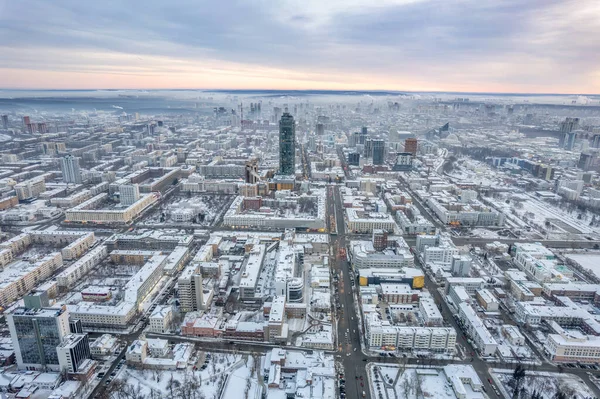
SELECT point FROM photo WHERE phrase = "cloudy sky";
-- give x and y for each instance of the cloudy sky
(550, 46)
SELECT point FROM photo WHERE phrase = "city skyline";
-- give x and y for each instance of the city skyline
(537, 47)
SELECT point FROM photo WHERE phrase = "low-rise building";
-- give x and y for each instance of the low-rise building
(475, 328)
(104, 345)
(161, 319)
(487, 300)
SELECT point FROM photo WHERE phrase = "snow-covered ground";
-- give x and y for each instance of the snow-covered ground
(587, 261)
(484, 233)
(395, 381)
(547, 384)
(241, 381)
(208, 382)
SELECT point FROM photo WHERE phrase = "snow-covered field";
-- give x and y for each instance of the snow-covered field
(547, 384)
(391, 382)
(587, 261)
(229, 369)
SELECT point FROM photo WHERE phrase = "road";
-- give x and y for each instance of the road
(348, 332)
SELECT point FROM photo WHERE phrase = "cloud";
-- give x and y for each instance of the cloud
(480, 45)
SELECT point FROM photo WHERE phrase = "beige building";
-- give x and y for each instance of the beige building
(85, 214)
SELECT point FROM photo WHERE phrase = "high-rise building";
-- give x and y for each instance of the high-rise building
(368, 149)
(251, 171)
(354, 139)
(42, 127)
(354, 159)
(378, 152)
(5, 121)
(364, 131)
(36, 300)
(312, 143)
(461, 266)
(570, 140)
(380, 239)
(411, 145)
(191, 296)
(596, 141)
(73, 351)
(276, 114)
(569, 124)
(36, 333)
(287, 145)
(320, 129)
(129, 194)
(26, 121)
(69, 166)
(362, 138)
(75, 327)
(566, 127)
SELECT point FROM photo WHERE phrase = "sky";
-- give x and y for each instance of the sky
(516, 46)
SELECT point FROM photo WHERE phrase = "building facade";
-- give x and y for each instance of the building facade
(287, 145)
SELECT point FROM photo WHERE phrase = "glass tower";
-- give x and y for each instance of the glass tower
(287, 145)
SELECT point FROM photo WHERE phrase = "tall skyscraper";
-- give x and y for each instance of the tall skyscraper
(69, 165)
(570, 140)
(36, 333)
(320, 129)
(411, 145)
(276, 114)
(354, 159)
(566, 127)
(363, 136)
(368, 151)
(26, 121)
(129, 194)
(354, 139)
(378, 152)
(364, 131)
(42, 128)
(287, 144)
(569, 124)
(5, 121)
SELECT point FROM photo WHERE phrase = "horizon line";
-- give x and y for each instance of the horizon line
(316, 90)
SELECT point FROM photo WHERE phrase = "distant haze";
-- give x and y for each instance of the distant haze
(516, 46)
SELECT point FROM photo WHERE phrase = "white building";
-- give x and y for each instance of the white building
(461, 266)
(475, 328)
(69, 166)
(572, 347)
(429, 311)
(161, 318)
(471, 284)
(364, 255)
(365, 222)
(104, 345)
(382, 335)
(129, 194)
